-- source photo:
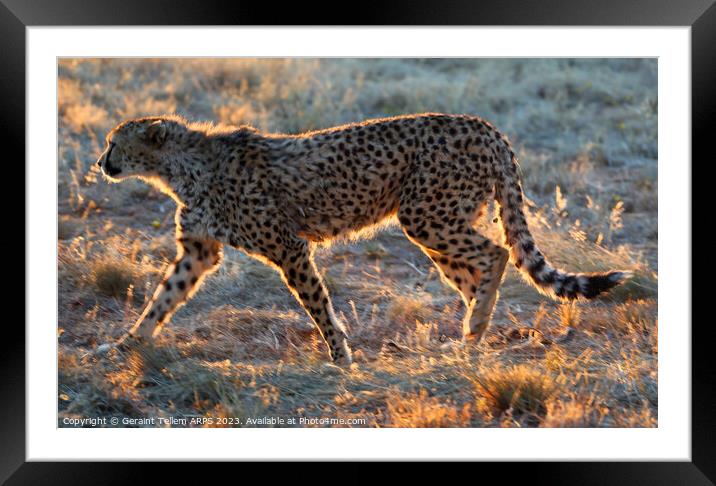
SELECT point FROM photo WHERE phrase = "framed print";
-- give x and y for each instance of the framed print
(429, 235)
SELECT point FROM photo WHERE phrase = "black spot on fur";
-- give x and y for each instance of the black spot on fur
(550, 277)
(536, 267)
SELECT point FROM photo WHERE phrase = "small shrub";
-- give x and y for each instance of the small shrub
(407, 310)
(113, 277)
(521, 388)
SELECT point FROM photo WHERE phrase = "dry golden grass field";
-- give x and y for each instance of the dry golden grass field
(585, 131)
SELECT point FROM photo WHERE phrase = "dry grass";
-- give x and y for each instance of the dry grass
(585, 132)
(406, 310)
(570, 315)
(518, 390)
(421, 410)
(113, 278)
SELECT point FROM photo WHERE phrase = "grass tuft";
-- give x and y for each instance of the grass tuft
(405, 310)
(521, 389)
(570, 315)
(419, 410)
(114, 277)
(578, 413)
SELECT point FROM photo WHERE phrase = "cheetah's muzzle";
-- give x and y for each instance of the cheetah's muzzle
(112, 171)
(108, 168)
(277, 197)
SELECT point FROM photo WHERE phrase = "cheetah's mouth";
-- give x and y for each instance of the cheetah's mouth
(111, 171)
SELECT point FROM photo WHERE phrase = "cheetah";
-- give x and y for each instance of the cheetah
(277, 197)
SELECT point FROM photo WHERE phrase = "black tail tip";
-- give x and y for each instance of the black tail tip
(599, 283)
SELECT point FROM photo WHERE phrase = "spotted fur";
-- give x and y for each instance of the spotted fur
(277, 196)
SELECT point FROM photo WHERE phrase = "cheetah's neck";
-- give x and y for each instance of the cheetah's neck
(185, 177)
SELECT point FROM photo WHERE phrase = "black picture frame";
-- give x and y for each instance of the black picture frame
(700, 15)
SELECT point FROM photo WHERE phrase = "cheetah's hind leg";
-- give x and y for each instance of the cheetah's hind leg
(479, 309)
(477, 277)
(470, 263)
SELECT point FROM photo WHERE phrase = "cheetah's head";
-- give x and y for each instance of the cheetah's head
(137, 148)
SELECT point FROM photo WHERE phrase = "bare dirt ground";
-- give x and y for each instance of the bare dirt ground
(585, 131)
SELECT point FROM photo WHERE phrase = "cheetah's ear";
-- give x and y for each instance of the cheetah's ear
(156, 132)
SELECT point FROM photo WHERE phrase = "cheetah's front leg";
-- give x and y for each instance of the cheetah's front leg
(305, 283)
(195, 259)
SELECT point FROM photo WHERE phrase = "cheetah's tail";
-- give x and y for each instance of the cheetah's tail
(529, 259)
